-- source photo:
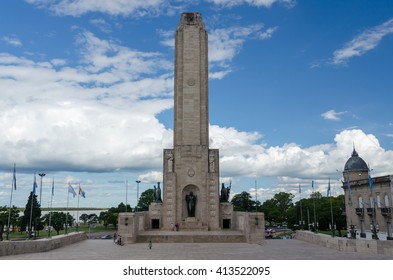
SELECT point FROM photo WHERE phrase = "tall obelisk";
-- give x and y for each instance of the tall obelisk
(191, 169)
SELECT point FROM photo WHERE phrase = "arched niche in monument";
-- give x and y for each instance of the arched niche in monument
(190, 197)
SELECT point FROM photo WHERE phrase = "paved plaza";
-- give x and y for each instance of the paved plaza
(273, 249)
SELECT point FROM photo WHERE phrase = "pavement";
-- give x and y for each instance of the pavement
(272, 249)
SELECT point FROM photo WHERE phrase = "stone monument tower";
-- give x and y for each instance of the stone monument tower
(192, 209)
(191, 169)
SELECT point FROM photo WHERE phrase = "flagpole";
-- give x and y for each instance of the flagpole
(126, 193)
(13, 185)
(68, 199)
(351, 226)
(370, 181)
(9, 215)
(331, 208)
(315, 215)
(50, 210)
(301, 208)
(77, 210)
(256, 197)
(31, 206)
(308, 218)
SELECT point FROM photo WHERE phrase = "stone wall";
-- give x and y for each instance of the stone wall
(382, 247)
(251, 224)
(39, 245)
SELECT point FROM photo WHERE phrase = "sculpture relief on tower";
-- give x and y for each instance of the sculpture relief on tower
(170, 161)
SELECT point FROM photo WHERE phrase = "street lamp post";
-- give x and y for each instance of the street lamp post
(315, 215)
(126, 193)
(137, 195)
(371, 184)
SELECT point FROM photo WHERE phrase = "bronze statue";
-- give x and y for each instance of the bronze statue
(158, 193)
(191, 202)
(225, 193)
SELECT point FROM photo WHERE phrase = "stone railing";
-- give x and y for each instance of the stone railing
(383, 247)
(39, 245)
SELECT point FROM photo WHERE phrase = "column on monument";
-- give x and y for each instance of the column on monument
(191, 83)
(169, 191)
(213, 190)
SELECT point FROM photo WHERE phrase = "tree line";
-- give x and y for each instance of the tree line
(313, 213)
(279, 210)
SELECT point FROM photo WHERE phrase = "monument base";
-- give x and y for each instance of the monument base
(239, 227)
(192, 224)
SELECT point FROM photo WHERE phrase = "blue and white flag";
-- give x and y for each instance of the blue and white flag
(82, 192)
(348, 185)
(34, 185)
(328, 190)
(370, 182)
(71, 190)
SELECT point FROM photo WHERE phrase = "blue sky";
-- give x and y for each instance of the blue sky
(87, 93)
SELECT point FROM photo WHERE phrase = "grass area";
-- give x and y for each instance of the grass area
(43, 233)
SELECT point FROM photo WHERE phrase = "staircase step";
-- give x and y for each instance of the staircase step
(191, 236)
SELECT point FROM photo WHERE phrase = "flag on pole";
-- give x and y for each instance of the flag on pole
(53, 187)
(71, 190)
(348, 185)
(370, 182)
(81, 192)
(312, 184)
(34, 186)
(14, 179)
(328, 190)
(300, 190)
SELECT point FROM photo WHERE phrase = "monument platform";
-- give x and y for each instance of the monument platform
(159, 236)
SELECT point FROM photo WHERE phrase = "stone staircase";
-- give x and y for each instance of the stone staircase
(189, 236)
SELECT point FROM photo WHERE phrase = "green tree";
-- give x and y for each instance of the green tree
(104, 218)
(58, 220)
(122, 208)
(35, 214)
(278, 208)
(92, 219)
(283, 202)
(110, 217)
(243, 202)
(146, 198)
(271, 211)
(84, 218)
(4, 214)
(323, 213)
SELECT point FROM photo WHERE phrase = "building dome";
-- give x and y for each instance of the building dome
(355, 163)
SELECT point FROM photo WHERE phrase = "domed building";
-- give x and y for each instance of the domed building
(368, 201)
(355, 163)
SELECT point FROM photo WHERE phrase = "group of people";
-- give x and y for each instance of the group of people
(117, 239)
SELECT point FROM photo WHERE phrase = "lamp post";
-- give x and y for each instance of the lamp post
(301, 210)
(374, 229)
(256, 204)
(137, 194)
(315, 215)
(126, 193)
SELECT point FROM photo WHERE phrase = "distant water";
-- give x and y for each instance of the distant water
(74, 213)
